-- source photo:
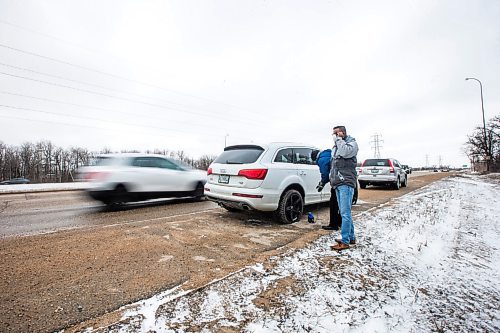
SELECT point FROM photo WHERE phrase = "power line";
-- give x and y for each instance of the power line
(111, 96)
(102, 109)
(97, 86)
(87, 117)
(113, 75)
(95, 119)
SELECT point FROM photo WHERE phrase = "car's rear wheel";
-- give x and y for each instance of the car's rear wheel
(120, 196)
(291, 207)
(397, 184)
(362, 185)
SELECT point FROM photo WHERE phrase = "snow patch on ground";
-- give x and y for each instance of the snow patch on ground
(429, 261)
(21, 188)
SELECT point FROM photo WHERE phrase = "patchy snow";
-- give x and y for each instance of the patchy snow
(21, 188)
(427, 261)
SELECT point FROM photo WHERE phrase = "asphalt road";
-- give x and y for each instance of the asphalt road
(25, 214)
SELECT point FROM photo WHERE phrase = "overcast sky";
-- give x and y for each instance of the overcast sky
(192, 75)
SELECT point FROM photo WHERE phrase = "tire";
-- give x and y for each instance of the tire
(362, 185)
(199, 192)
(355, 196)
(405, 182)
(290, 207)
(120, 196)
(397, 184)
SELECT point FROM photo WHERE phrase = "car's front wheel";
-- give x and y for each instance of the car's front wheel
(405, 182)
(199, 192)
(291, 207)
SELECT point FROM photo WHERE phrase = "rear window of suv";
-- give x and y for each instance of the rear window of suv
(239, 155)
(376, 162)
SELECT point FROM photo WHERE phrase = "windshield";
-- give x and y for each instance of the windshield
(376, 162)
(239, 156)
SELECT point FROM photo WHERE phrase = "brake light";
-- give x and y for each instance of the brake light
(253, 173)
(209, 171)
(96, 176)
(391, 166)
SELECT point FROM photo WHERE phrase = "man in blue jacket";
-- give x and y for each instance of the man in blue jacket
(323, 160)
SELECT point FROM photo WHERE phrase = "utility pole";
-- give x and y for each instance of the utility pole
(440, 161)
(376, 144)
(427, 160)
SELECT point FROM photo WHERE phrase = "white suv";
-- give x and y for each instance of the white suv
(279, 177)
(382, 171)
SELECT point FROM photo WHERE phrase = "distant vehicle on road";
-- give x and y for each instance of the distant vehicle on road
(407, 169)
(15, 181)
(120, 178)
(382, 171)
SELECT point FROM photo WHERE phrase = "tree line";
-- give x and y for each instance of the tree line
(44, 162)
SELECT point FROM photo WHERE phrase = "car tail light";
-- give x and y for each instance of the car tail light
(391, 166)
(207, 189)
(209, 171)
(96, 176)
(360, 170)
(253, 173)
(256, 196)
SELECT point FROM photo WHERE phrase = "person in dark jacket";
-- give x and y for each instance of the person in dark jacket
(323, 160)
(343, 178)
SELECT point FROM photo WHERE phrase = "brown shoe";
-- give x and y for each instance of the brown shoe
(352, 241)
(339, 247)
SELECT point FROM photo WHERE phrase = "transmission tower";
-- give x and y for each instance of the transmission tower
(376, 144)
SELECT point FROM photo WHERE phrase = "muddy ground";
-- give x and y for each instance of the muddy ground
(77, 278)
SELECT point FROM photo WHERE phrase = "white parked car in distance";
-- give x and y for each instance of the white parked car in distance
(279, 177)
(382, 171)
(120, 178)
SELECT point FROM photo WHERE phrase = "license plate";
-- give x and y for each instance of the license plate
(374, 171)
(224, 179)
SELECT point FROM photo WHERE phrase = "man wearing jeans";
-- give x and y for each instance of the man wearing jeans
(343, 179)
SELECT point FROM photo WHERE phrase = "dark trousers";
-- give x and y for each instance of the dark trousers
(335, 218)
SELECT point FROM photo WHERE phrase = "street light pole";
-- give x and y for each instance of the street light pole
(484, 121)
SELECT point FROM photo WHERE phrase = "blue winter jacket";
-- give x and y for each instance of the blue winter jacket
(324, 162)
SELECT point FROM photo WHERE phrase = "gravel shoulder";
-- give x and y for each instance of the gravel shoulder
(55, 281)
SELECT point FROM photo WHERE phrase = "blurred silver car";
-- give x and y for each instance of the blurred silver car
(382, 171)
(120, 178)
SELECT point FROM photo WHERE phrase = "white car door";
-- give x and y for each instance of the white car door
(173, 178)
(309, 173)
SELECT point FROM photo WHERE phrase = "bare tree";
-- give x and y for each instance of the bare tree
(204, 161)
(477, 148)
